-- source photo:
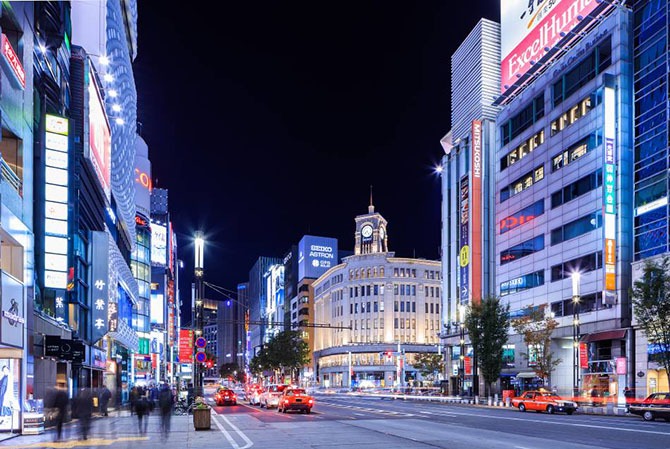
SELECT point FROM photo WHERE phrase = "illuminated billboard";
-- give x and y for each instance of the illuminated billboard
(157, 308)
(158, 244)
(530, 29)
(143, 185)
(316, 255)
(99, 137)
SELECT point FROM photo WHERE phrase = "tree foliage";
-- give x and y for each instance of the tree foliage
(651, 305)
(428, 364)
(227, 370)
(487, 323)
(537, 327)
(285, 352)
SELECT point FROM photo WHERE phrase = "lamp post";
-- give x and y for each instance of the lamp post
(198, 370)
(575, 333)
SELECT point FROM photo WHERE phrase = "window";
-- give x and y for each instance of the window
(587, 303)
(582, 264)
(402, 306)
(522, 283)
(522, 150)
(586, 70)
(577, 227)
(523, 120)
(576, 189)
(395, 306)
(575, 151)
(523, 216)
(375, 290)
(376, 306)
(576, 112)
(524, 182)
(523, 249)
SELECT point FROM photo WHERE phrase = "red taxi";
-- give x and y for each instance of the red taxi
(293, 398)
(224, 396)
(543, 401)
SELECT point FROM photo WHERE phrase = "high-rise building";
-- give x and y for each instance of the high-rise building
(258, 301)
(650, 203)
(466, 171)
(563, 177)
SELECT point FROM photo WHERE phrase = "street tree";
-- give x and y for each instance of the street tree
(231, 370)
(259, 362)
(286, 352)
(651, 305)
(428, 364)
(487, 323)
(537, 326)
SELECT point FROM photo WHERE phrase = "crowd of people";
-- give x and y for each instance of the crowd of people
(143, 401)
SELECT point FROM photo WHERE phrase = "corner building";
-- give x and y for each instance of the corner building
(377, 304)
(564, 203)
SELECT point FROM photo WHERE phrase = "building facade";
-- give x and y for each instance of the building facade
(466, 172)
(375, 304)
(563, 220)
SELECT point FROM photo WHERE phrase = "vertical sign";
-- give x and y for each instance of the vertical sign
(609, 189)
(12, 59)
(99, 280)
(56, 196)
(583, 356)
(476, 245)
(464, 248)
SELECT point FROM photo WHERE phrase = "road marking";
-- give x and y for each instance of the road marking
(559, 423)
(228, 436)
(80, 443)
(360, 414)
(426, 413)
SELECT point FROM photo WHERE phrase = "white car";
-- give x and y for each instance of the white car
(271, 394)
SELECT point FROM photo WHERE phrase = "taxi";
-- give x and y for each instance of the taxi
(224, 396)
(294, 398)
(656, 405)
(543, 401)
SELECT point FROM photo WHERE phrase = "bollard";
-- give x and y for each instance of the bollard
(508, 401)
(490, 401)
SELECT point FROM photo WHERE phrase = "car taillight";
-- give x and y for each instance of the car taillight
(285, 401)
(311, 401)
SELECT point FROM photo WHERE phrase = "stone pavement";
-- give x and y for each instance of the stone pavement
(119, 430)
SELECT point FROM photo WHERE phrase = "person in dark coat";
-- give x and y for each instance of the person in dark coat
(105, 396)
(134, 395)
(142, 411)
(165, 404)
(59, 402)
(83, 409)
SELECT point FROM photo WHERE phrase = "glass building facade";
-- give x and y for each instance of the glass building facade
(650, 35)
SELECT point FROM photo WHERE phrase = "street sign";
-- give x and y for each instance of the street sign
(200, 357)
(200, 342)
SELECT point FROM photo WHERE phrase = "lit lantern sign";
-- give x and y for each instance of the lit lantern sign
(56, 202)
(609, 188)
(12, 59)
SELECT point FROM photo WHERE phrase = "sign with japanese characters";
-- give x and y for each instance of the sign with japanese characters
(464, 242)
(609, 188)
(99, 289)
(12, 315)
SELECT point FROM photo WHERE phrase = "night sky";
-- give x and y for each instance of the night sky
(270, 120)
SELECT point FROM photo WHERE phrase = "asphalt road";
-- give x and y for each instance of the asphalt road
(341, 421)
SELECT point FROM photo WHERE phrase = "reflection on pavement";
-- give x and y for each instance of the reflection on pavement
(80, 443)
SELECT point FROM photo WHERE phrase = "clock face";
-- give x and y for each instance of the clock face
(366, 231)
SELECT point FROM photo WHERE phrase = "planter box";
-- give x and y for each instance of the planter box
(202, 418)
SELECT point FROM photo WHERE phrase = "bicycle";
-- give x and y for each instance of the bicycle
(182, 408)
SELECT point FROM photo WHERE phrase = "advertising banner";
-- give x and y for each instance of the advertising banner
(158, 244)
(13, 317)
(476, 244)
(609, 188)
(157, 308)
(100, 278)
(316, 255)
(621, 365)
(185, 345)
(100, 137)
(464, 244)
(529, 29)
(143, 185)
(583, 356)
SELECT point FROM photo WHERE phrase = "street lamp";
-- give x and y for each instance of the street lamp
(575, 333)
(198, 371)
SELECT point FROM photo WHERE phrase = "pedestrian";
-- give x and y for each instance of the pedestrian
(134, 395)
(105, 396)
(60, 401)
(165, 402)
(142, 411)
(83, 409)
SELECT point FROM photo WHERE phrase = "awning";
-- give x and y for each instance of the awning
(528, 375)
(615, 334)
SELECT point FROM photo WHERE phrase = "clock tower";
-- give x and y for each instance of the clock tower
(370, 232)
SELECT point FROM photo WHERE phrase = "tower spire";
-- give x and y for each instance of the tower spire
(371, 207)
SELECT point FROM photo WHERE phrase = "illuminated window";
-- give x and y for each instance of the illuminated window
(577, 150)
(522, 150)
(524, 182)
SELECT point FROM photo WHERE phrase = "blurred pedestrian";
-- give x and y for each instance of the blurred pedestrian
(142, 411)
(134, 395)
(83, 409)
(105, 396)
(165, 402)
(59, 402)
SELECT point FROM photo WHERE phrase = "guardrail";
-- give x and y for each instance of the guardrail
(10, 177)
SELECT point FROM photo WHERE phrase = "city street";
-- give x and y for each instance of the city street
(346, 421)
